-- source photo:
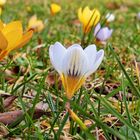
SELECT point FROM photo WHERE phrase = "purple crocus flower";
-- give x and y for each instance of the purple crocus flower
(102, 34)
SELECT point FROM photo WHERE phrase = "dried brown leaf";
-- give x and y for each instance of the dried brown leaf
(9, 117)
(9, 101)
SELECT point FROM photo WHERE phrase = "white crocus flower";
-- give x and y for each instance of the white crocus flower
(74, 64)
(102, 33)
(110, 17)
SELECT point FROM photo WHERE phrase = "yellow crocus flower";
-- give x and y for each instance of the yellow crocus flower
(2, 2)
(55, 8)
(12, 37)
(35, 24)
(88, 18)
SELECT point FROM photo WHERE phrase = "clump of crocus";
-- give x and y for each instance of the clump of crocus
(35, 24)
(110, 17)
(88, 18)
(55, 8)
(12, 37)
(74, 64)
(102, 33)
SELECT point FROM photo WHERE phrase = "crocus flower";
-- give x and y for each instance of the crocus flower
(2, 2)
(12, 37)
(35, 24)
(88, 18)
(102, 34)
(55, 8)
(110, 17)
(74, 64)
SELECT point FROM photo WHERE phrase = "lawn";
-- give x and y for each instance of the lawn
(42, 101)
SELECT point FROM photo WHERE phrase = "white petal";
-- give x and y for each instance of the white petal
(110, 33)
(75, 46)
(75, 61)
(57, 52)
(91, 53)
(110, 17)
(104, 34)
(95, 65)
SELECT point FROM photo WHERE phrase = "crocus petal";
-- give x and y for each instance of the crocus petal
(12, 26)
(86, 15)
(3, 42)
(13, 33)
(97, 28)
(91, 53)
(75, 61)
(35, 24)
(109, 33)
(32, 20)
(95, 17)
(56, 53)
(1, 25)
(3, 53)
(110, 17)
(80, 14)
(104, 34)
(25, 38)
(94, 66)
(11, 37)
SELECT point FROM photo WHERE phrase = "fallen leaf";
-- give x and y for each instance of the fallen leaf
(8, 101)
(9, 117)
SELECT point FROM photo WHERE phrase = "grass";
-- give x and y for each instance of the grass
(108, 103)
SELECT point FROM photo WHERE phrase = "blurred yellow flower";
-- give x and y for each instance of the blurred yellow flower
(55, 8)
(35, 24)
(2, 2)
(88, 18)
(12, 37)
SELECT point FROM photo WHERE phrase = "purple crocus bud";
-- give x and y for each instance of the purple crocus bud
(102, 34)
